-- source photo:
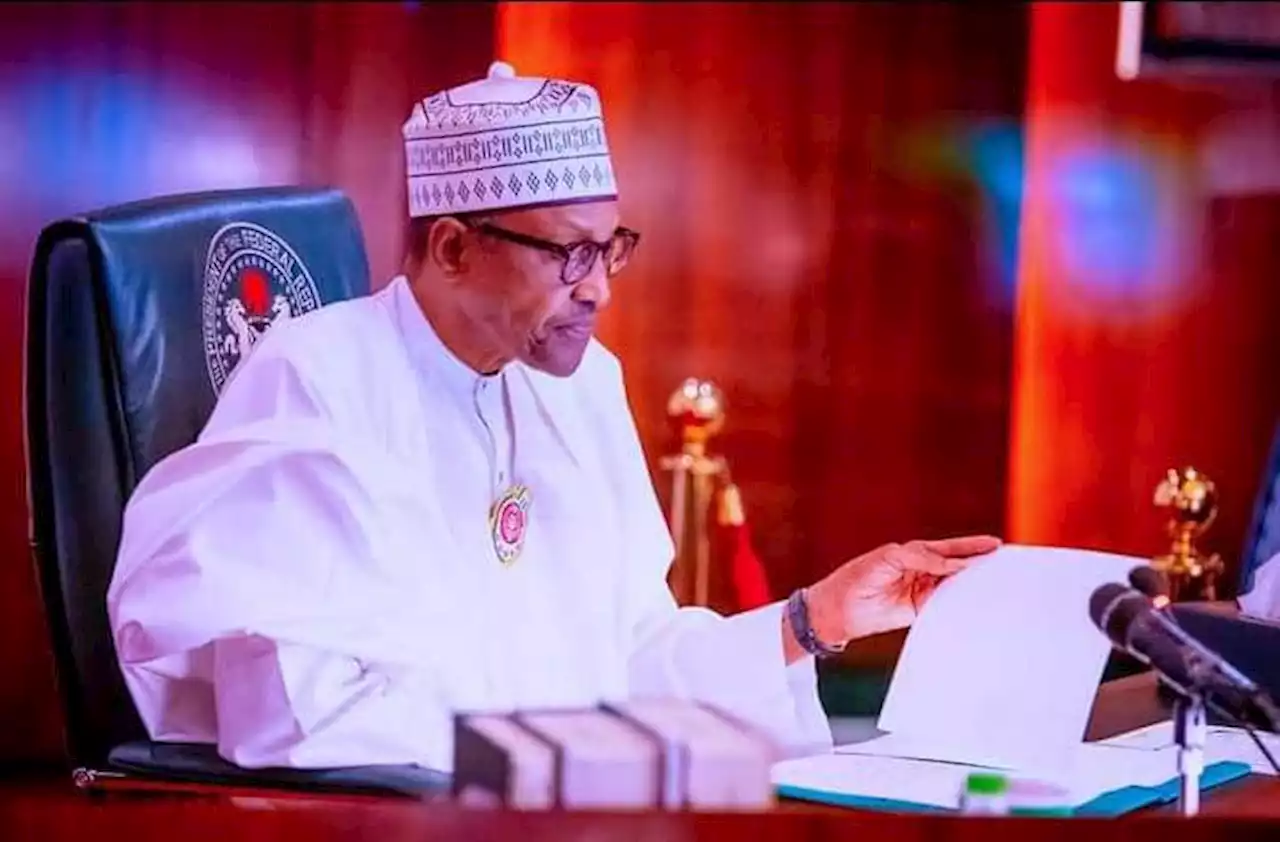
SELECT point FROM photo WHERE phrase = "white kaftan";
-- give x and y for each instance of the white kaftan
(313, 582)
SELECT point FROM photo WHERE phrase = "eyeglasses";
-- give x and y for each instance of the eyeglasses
(577, 258)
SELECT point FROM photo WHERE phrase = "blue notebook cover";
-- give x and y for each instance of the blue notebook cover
(1114, 803)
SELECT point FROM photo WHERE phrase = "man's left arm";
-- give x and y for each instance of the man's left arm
(751, 663)
(737, 663)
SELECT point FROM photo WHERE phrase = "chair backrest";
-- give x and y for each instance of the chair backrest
(135, 316)
(1263, 539)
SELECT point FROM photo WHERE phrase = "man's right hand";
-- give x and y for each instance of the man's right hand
(885, 589)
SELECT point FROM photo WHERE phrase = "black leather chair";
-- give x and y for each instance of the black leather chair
(136, 314)
(1263, 539)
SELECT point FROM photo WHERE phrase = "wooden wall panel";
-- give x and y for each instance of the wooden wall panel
(828, 195)
(110, 102)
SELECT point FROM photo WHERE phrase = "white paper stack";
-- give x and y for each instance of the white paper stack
(1221, 744)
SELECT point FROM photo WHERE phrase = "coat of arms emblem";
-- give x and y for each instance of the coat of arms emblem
(252, 280)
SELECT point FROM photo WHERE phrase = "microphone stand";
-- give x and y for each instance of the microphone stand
(1189, 732)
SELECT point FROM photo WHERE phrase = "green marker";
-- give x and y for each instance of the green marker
(985, 794)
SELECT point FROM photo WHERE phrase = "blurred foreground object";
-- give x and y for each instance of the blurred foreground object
(1192, 502)
(664, 754)
(696, 411)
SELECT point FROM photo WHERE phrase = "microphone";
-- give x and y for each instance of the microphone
(1151, 583)
(1134, 626)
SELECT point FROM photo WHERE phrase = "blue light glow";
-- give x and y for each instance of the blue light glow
(995, 161)
(1105, 210)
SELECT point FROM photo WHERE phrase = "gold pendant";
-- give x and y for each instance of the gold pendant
(509, 523)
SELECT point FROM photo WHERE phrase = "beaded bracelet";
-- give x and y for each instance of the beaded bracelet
(798, 614)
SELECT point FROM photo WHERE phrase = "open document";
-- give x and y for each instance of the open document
(999, 671)
(1002, 665)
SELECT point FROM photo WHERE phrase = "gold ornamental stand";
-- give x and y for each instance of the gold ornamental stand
(696, 410)
(1191, 500)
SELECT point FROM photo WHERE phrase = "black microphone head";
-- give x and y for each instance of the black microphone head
(1113, 608)
(1149, 581)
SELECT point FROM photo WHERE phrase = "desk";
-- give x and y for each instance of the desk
(46, 809)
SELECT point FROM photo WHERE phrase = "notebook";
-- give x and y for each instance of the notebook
(1101, 781)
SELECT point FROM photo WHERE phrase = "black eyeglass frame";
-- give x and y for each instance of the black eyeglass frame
(566, 251)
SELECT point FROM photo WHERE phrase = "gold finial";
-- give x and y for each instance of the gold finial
(1191, 500)
(696, 410)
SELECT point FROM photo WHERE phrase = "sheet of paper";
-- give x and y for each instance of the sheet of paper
(1221, 743)
(1002, 665)
(1088, 771)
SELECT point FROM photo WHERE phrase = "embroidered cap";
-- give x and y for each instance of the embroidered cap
(506, 141)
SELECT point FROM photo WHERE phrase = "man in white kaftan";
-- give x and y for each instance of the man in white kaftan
(433, 498)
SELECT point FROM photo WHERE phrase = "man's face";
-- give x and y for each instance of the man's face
(518, 293)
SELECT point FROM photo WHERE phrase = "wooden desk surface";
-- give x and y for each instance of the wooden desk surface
(33, 808)
(46, 816)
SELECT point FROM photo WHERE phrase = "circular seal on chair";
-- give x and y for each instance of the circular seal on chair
(252, 280)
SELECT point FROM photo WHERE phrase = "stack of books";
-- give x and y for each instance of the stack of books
(645, 754)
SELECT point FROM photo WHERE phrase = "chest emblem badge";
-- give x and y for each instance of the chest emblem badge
(509, 523)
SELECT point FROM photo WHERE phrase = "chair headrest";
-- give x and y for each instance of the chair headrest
(187, 284)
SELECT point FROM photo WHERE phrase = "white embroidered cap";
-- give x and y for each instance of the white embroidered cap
(506, 141)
